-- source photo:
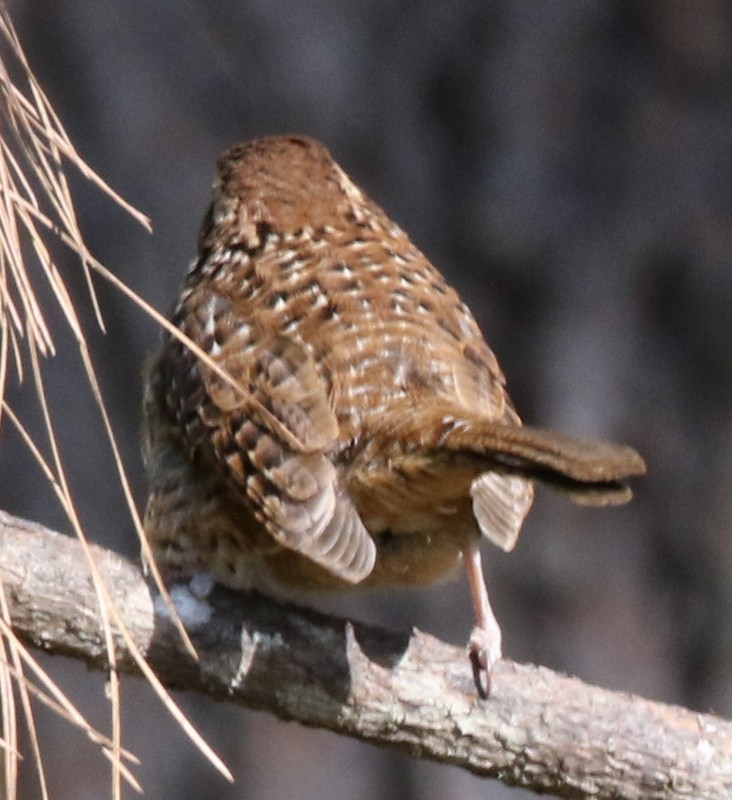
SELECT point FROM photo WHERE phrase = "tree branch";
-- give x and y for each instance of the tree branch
(539, 730)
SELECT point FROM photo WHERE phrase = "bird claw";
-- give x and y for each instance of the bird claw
(484, 650)
(481, 676)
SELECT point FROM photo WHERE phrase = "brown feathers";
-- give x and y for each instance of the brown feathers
(355, 411)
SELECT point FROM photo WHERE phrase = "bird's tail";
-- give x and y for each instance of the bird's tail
(590, 471)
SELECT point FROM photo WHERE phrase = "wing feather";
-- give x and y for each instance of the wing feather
(271, 432)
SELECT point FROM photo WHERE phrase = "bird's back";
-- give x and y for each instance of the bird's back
(343, 396)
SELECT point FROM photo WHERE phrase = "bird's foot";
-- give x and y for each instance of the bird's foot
(190, 600)
(201, 584)
(484, 648)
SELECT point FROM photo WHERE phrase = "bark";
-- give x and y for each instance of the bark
(539, 730)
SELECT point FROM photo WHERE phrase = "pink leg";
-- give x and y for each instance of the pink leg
(485, 640)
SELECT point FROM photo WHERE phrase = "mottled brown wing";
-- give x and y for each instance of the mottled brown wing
(271, 430)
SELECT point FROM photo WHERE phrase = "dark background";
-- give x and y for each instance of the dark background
(567, 166)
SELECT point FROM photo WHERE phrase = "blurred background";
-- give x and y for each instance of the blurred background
(568, 166)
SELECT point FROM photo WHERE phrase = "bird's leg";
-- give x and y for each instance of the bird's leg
(485, 640)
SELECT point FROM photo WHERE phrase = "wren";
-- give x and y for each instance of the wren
(350, 427)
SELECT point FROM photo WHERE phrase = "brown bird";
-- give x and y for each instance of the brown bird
(350, 424)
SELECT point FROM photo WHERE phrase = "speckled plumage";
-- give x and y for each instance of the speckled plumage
(356, 428)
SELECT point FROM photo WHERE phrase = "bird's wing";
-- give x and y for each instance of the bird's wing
(500, 504)
(263, 417)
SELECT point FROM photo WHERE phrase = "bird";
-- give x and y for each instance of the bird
(326, 413)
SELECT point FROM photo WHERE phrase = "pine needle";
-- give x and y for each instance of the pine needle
(36, 211)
